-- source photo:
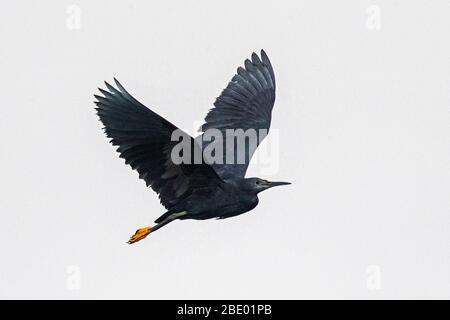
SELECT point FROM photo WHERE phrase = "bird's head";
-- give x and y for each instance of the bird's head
(258, 185)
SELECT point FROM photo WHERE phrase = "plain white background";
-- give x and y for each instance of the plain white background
(362, 111)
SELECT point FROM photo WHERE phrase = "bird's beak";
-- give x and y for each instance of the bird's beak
(277, 183)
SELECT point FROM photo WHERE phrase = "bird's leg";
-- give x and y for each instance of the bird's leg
(144, 232)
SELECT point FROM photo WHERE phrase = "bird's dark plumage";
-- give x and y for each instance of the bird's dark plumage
(187, 190)
(144, 141)
(246, 103)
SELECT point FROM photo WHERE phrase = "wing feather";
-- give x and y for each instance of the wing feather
(144, 140)
(246, 103)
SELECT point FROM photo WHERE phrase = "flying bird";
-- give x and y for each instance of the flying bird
(191, 190)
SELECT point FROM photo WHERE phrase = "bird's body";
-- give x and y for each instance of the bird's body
(189, 189)
(229, 200)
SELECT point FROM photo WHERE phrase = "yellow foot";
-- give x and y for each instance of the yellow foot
(140, 234)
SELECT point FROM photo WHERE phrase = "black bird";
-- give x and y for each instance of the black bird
(189, 190)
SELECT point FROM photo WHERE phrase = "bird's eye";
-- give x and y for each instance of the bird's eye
(258, 182)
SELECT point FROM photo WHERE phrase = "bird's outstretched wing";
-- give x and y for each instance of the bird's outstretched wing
(144, 141)
(246, 103)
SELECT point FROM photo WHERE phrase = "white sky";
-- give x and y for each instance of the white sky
(362, 115)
